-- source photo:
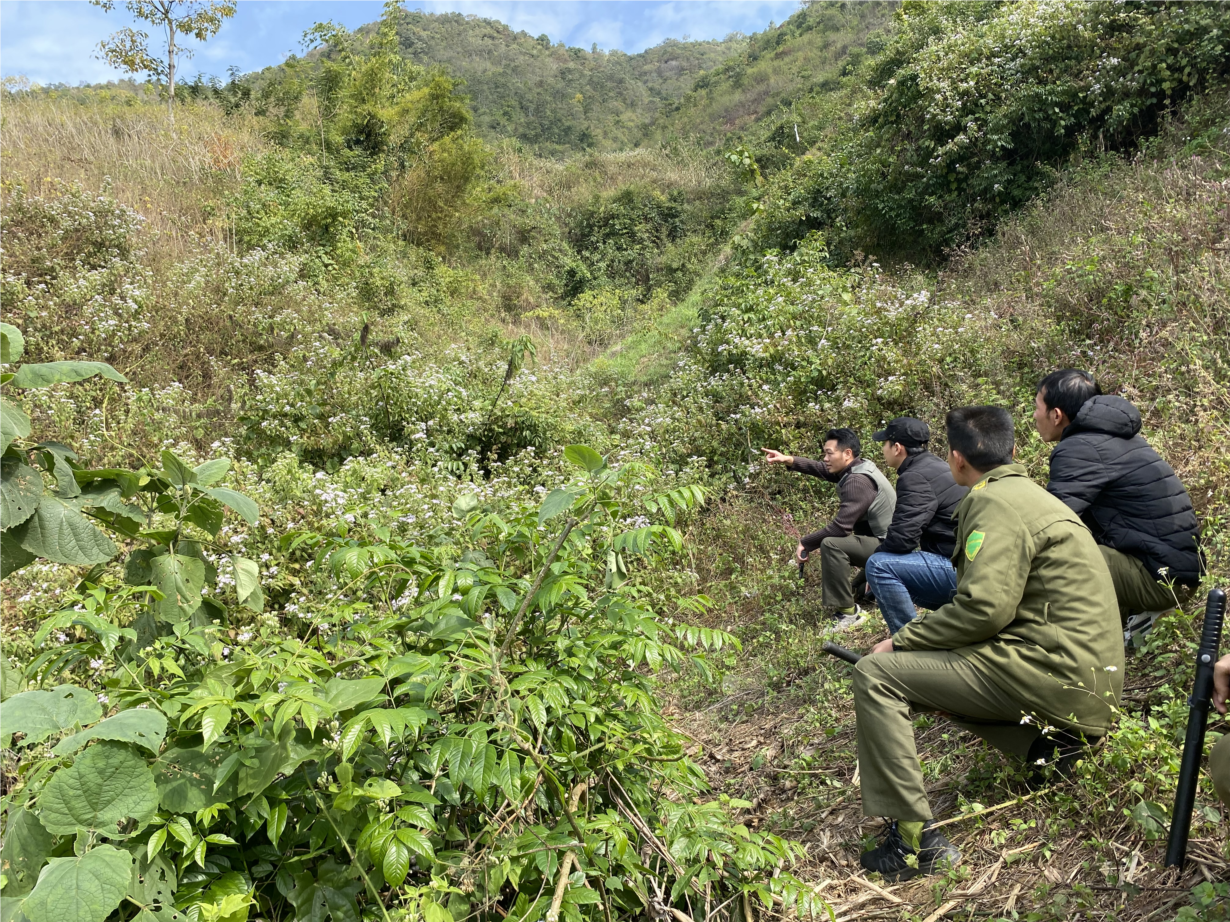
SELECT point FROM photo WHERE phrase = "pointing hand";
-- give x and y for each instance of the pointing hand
(776, 457)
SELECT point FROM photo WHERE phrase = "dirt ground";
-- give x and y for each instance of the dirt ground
(751, 741)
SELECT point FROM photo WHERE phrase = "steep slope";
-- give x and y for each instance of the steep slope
(807, 53)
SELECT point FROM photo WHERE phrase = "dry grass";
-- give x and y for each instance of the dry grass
(171, 175)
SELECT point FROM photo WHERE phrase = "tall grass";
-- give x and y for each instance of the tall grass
(173, 176)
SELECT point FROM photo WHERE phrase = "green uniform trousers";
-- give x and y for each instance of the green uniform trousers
(887, 686)
(838, 557)
(1135, 588)
(1219, 768)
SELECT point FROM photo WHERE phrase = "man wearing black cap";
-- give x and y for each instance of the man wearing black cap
(912, 567)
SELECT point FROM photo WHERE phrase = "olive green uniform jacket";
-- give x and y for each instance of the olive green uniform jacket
(1035, 608)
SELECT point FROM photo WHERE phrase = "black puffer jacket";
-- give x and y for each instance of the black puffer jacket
(927, 496)
(1122, 489)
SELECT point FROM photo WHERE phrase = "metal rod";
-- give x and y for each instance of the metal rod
(841, 652)
(1197, 722)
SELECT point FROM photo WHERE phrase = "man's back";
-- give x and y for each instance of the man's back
(1130, 498)
(927, 497)
(1035, 608)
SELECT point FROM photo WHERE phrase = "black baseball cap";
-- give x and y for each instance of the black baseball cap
(905, 430)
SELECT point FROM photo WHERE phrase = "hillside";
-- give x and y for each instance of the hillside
(552, 97)
(412, 559)
(806, 55)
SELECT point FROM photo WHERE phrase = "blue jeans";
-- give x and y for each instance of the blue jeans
(901, 582)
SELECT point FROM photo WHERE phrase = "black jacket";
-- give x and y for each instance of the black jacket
(927, 496)
(1122, 489)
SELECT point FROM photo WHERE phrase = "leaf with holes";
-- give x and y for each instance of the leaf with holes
(21, 489)
(59, 532)
(80, 889)
(109, 783)
(14, 424)
(38, 714)
(143, 726)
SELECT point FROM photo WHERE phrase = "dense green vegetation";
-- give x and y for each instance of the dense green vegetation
(410, 555)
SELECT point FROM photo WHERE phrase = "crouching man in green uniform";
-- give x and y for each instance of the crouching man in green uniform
(1219, 757)
(1028, 655)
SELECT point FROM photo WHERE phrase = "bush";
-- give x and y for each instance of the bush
(977, 104)
(449, 735)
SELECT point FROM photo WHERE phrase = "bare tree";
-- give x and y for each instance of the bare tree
(129, 49)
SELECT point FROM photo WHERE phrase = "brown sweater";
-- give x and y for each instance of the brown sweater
(856, 493)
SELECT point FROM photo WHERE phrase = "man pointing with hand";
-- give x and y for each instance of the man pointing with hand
(862, 520)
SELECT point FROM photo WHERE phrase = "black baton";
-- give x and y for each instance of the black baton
(840, 652)
(1197, 723)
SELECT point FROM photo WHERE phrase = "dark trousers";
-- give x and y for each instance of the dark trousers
(838, 558)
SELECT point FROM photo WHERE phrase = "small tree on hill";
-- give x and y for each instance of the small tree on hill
(129, 49)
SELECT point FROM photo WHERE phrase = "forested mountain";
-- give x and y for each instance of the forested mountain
(553, 97)
(412, 557)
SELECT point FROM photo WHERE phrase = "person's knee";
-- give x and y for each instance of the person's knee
(868, 672)
(878, 567)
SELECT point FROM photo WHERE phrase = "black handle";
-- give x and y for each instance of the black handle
(841, 652)
(1197, 723)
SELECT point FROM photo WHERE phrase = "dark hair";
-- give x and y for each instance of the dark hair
(982, 434)
(845, 438)
(911, 450)
(1067, 390)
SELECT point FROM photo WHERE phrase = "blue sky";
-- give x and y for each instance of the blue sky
(53, 41)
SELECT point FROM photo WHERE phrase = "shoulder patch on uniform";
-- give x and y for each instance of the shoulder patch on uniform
(973, 544)
(980, 484)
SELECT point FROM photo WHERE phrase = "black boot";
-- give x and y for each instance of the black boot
(1052, 756)
(935, 854)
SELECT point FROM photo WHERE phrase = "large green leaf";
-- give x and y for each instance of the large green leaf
(84, 889)
(179, 473)
(38, 714)
(211, 472)
(248, 583)
(21, 488)
(180, 579)
(59, 532)
(143, 726)
(108, 784)
(49, 373)
(12, 555)
(557, 501)
(26, 846)
(12, 343)
(188, 779)
(584, 456)
(129, 481)
(247, 508)
(345, 694)
(14, 424)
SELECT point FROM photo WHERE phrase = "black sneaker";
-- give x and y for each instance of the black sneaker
(1052, 756)
(888, 859)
